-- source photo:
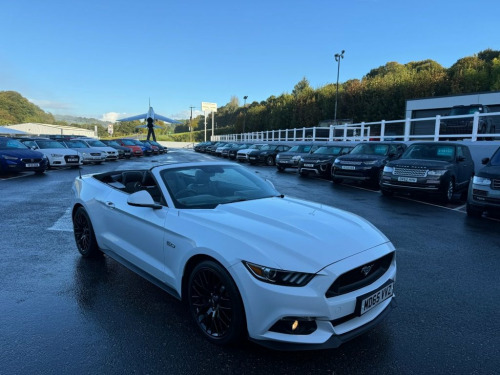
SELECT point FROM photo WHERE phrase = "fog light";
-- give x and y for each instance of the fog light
(294, 326)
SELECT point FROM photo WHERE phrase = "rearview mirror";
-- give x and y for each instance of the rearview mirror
(485, 160)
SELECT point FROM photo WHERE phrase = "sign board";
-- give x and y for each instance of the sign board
(210, 107)
(110, 129)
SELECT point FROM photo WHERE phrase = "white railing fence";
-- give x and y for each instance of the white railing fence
(430, 128)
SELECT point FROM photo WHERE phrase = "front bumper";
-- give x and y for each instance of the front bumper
(421, 184)
(484, 197)
(336, 318)
(356, 172)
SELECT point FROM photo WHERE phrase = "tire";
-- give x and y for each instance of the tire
(303, 173)
(447, 195)
(84, 234)
(270, 161)
(215, 304)
(473, 210)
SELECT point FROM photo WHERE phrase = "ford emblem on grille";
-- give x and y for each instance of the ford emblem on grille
(366, 270)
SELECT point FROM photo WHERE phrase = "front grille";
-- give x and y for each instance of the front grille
(95, 154)
(357, 279)
(27, 160)
(409, 172)
(350, 162)
(495, 184)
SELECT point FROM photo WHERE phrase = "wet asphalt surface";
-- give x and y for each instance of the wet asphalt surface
(63, 314)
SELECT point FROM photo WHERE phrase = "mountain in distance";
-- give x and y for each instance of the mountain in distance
(79, 120)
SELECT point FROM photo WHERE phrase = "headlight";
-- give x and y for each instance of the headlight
(7, 157)
(85, 154)
(438, 172)
(277, 157)
(278, 277)
(337, 161)
(56, 155)
(388, 169)
(481, 181)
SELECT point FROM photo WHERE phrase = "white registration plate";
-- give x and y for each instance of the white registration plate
(407, 179)
(32, 165)
(309, 165)
(368, 302)
(350, 167)
(72, 160)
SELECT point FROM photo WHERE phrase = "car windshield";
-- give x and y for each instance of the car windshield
(465, 110)
(49, 144)
(430, 152)
(268, 148)
(128, 142)
(328, 150)
(6, 144)
(96, 143)
(370, 149)
(207, 186)
(300, 148)
(495, 159)
(112, 143)
(253, 147)
(76, 144)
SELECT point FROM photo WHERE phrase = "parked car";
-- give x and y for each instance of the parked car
(366, 162)
(123, 152)
(136, 149)
(154, 148)
(88, 154)
(319, 163)
(267, 154)
(110, 152)
(57, 154)
(211, 149)
(147, 150)
(463, 125)
(484, 191)
(201, 147)
(242, 155)
(179, 225)
(161, 149)
(290, 158)
(16, 157)
(434, 168)
(231, 154)
(221, 148)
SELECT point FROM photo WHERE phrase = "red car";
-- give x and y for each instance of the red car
(136, 150)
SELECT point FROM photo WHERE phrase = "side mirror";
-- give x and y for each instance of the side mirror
(485, 160)
(143, 199)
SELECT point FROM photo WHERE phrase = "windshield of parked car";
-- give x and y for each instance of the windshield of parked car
(10, 144)
(76, 144)
(328, 150)
(112, 143)
(253, 147)
(430, 152)
(495, 159)
(128, 142)
(465, 110)
(370, 149)
(268, 148)
(301, 148)
(207, 186)
(49, 144)
(96, 143)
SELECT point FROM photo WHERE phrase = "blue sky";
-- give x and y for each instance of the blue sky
(106, 58)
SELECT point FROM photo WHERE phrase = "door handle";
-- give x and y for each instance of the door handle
(110, 205)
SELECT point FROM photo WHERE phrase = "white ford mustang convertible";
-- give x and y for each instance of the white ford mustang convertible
(249, 262)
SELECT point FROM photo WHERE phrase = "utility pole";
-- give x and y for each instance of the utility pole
(338, 57)
(191, 124)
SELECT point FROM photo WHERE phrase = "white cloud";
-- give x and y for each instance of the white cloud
(112, 116)
(186, 114)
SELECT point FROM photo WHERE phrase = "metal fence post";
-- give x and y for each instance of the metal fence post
(437, 126)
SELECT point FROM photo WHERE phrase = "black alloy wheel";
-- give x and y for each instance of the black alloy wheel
(270, 161)
(449, 192)
(84, 234)
(215, 303)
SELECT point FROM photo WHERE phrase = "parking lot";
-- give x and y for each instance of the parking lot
(61, 313)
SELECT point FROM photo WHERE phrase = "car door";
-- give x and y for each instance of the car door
(136, 234)
(464, 165)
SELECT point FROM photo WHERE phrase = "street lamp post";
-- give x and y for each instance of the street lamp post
(245, 114)
(338, 57)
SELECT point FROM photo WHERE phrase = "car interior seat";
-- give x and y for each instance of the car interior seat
(130, 179)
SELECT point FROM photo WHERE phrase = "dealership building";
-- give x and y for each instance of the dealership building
(51, 130)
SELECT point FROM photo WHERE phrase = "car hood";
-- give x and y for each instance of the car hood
(22, 153)
(318, 157)
(419, 163)
(489, 172)
(286, 233)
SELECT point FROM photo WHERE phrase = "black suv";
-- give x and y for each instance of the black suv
(439, 168)
(267, 154)
(290, 158)
(319, 163)
(366, 161)
(463, 125)
(484, 191)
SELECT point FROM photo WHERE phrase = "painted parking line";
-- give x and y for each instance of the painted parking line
(64, 223)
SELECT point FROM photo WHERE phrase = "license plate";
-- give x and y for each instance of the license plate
(32, 165)
(72, 160)
(373, 299)
(309, 165)
(350, 167)
(407, 179)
